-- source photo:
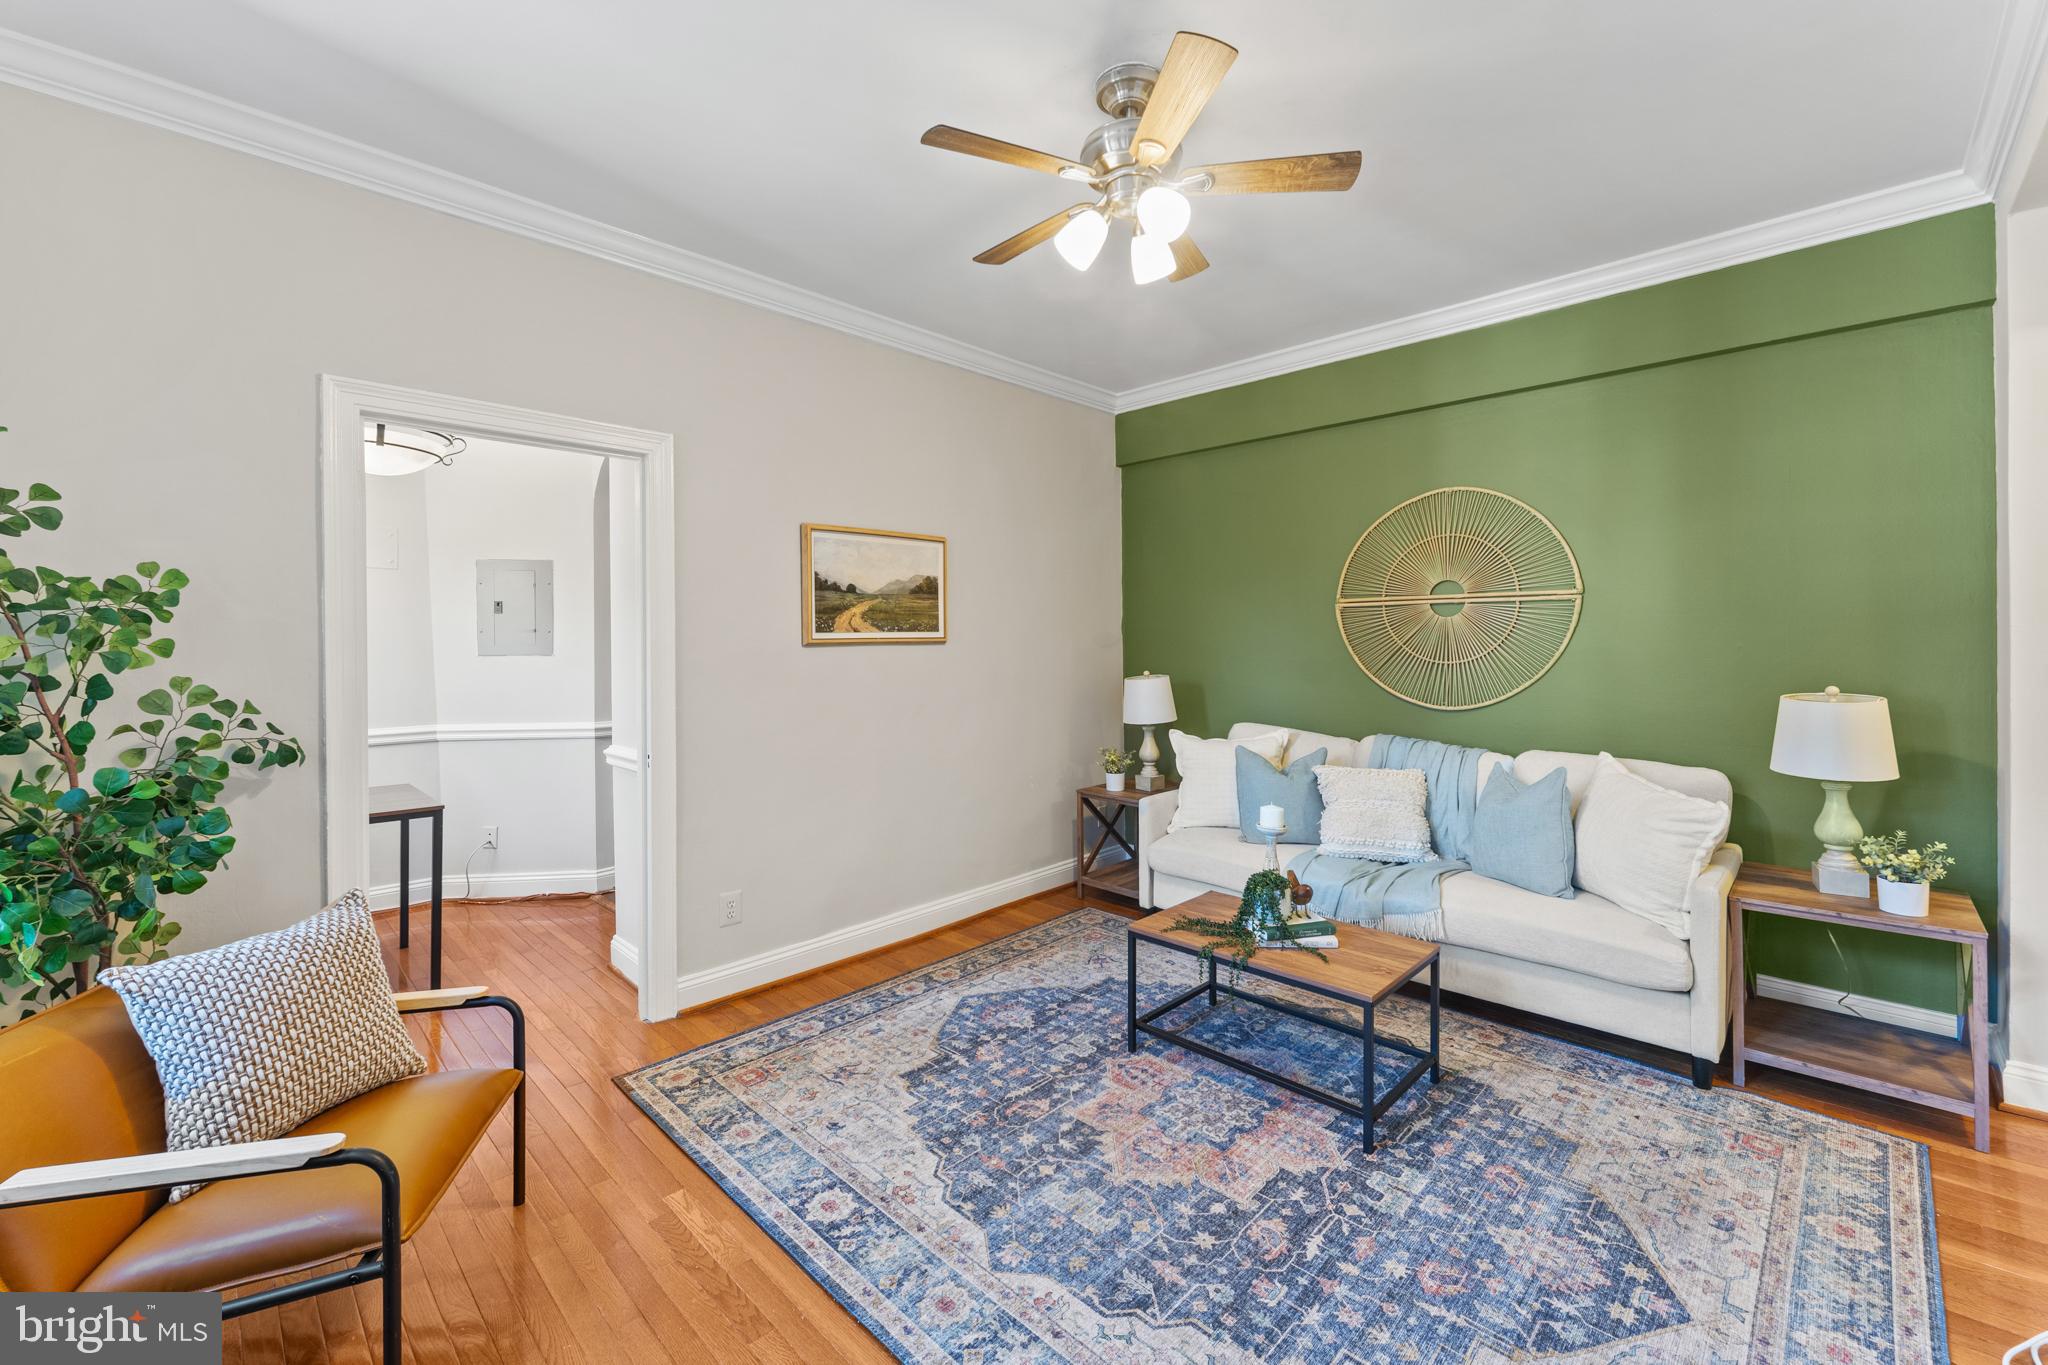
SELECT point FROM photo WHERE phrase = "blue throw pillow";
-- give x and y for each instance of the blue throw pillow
(1522, 833)
(1294, 790)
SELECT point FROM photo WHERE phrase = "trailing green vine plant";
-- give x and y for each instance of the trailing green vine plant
(89, 850)
(1261, 918)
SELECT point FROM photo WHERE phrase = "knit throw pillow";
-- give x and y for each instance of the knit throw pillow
(253, 1038)
(1376, 813)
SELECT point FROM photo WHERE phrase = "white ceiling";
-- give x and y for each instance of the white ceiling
(1505, 144)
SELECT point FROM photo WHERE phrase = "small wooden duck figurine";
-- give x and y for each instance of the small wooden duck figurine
(1299, 893)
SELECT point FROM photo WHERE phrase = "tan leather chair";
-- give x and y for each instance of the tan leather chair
(85, 1205)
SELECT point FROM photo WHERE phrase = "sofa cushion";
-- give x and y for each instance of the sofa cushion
(1587, 934)
(1339, 752)
(1642, 845)
(1704, 783)
(233, 1231)
(1208, 776)
(1379, 814)
(1214, 857)
(1522, 833)
(1293, 789)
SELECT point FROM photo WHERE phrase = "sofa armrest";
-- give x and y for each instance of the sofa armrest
(1706, 908)
(152, 1170)
(1155, 813)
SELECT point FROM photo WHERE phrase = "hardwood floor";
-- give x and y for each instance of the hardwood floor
(626, 1251)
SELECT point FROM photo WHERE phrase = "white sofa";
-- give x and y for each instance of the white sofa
(1585, 961)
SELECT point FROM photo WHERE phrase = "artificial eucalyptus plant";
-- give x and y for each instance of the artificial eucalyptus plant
(89, 849)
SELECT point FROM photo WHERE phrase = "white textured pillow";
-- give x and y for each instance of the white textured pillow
(1641, 845)
(1376, 813)
(253, 1038)
(1208, 776)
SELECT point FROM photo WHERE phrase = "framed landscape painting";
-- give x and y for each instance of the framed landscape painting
(864, 587)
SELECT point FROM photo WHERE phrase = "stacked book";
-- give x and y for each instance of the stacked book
(1303, 931)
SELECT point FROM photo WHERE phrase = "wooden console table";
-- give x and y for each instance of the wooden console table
(1952, 1074)
(1110, 863)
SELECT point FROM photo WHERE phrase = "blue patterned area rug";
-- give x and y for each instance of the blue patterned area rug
(969, 1160)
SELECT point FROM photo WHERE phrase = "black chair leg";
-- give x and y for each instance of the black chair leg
(1703, 1072)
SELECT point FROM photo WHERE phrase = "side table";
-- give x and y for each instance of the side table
(401, 805)
(1951, 1074)
(1110, 863)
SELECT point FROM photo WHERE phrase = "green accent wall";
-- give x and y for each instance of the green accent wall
(1776, 477)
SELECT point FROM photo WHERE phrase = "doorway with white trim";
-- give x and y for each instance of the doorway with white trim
(492, 641)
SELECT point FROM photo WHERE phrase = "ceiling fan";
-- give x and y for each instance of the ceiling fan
(1133, 163)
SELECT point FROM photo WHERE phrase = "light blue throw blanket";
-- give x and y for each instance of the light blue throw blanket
(1405, 898)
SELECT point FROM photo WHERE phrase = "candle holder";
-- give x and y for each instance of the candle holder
(1273, 833)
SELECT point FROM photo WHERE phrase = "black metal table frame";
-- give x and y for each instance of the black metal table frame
(1430, 1061)
(404, 819)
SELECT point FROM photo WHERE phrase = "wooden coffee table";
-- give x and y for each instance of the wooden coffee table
(1365, 967)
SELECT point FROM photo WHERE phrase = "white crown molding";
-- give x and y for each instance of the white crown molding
(385, 736)
(74, 76)
(622, 757)
(1863, 1006)
(730, 978)
(1830, 222)
(2015, 68)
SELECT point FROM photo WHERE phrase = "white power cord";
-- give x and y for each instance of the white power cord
(2032, 1346)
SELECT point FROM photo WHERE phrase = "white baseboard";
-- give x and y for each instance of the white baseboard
(2026, 1085)
(625, 959)
(713, 983)
(495, 885)
(1867, 1006)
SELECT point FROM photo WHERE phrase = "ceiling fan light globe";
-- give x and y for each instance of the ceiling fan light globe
(1164, 212)
(1080, 241)
(1151, 258)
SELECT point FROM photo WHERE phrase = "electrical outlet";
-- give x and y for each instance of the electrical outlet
(490, 836)
(729, 909)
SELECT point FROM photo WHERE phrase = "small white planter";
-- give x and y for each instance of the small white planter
(1902, 898)
(1115, 782)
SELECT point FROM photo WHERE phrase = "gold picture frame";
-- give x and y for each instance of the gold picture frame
(904, 603)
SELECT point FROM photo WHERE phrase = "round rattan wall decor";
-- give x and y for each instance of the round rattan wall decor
(1459, 598)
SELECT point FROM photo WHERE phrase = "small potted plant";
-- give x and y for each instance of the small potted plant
(1903, 872)
(1115, 763)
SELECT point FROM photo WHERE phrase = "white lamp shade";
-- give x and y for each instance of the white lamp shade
(393, 461)
(1080, 241)
(1151, 258)
(1163, 212)
(1148, 699)
(1834, 736)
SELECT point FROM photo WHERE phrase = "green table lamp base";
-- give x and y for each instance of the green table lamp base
(1836, 872)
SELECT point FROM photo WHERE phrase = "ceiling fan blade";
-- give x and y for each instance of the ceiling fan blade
(1193, 68)
(1009, 153)
(1188, 259)
(1280, 174)
(1011, 248)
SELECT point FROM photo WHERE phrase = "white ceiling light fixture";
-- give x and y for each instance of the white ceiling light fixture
(1133, 163)
(1164, 212)
(393, 451)
(1080, 241)
(1151, 257)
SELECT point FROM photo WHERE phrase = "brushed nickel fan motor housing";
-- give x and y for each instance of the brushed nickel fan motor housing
(1123, 90)
(1108, 153)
